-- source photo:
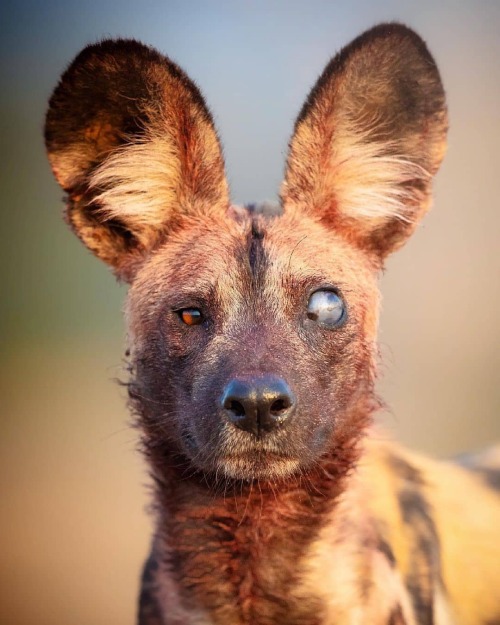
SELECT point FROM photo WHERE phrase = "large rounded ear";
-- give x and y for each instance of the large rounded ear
(133, 144)
(369, 138)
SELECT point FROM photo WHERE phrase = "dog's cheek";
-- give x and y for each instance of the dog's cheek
(337, 377)
(199, 402)
(163, 366)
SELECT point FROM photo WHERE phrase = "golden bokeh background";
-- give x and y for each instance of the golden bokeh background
(74, 526)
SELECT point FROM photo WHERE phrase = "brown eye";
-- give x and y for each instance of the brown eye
(191, 316)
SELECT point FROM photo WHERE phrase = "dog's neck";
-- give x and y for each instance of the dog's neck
(238, 554)
(239, 551)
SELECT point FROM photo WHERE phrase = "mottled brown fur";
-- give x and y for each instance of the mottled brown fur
(378, 107)
(119, 96)
(318, 521)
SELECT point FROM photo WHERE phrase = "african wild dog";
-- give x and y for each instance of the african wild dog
(253, 344)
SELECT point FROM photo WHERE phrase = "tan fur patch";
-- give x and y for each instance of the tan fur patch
(141, 182)
(365, 180)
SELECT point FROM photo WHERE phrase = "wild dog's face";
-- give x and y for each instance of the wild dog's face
(286, 309)
(252, 339)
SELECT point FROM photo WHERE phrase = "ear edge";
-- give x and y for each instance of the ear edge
(402, 185)
(113, 56)
(394, 30)
(108, 233)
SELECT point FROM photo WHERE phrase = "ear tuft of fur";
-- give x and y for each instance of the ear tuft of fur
(137, 181)
(131, 141)
(369, 138)
(375, 182)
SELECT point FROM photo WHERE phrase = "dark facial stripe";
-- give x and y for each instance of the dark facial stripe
(255, 249)
(425, 566)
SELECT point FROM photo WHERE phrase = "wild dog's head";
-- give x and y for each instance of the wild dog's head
(252, 338)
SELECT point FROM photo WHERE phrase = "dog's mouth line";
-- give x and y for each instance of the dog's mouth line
(255, 454)
(260, 454)
(262, 467)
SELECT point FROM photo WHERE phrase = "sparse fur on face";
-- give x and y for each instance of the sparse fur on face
(253, 344)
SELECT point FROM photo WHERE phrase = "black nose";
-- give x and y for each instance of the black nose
(258, 404)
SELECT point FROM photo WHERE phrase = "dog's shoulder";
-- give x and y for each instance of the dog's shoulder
(440, 520)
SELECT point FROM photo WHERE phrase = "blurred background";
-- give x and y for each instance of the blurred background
(74, 525)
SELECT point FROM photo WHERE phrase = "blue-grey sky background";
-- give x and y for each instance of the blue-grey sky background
(72, 484)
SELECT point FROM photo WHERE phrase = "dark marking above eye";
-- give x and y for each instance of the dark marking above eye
(255, 248)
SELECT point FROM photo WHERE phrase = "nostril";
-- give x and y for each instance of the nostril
(257, 404)
(235, 407)
(279, 406)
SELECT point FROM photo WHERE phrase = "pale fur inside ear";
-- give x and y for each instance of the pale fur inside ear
(370, 180)
(139, 183)
(364, 176)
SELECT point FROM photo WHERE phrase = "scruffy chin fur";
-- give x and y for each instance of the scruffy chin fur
(253, 344)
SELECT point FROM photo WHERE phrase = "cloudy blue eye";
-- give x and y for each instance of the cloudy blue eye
(326, 308)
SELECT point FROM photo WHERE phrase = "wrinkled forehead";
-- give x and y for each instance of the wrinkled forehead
(225, 257)
(302, 250)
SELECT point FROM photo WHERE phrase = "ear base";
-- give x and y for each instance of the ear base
(132, 142)
(369, 138)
